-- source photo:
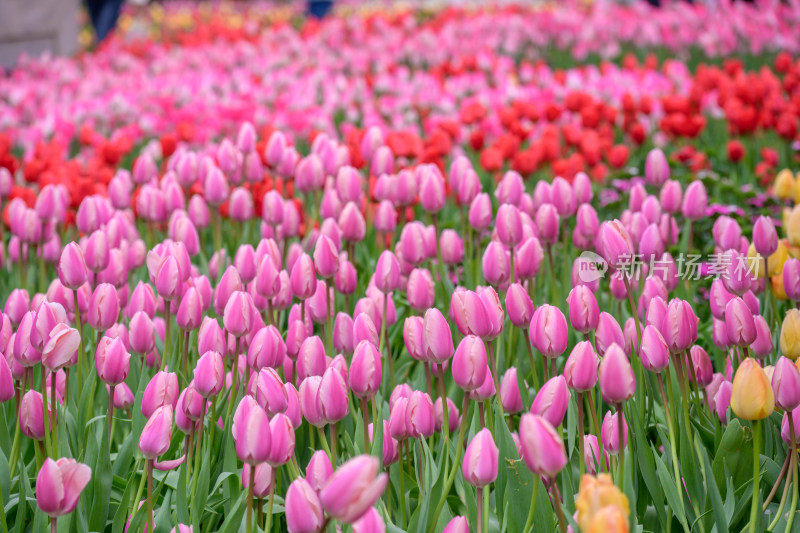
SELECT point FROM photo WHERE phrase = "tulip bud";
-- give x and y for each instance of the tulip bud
(548, 331)
(72, 269)
(580, 370)
(469, 364)
(251, 432)
(584, 312)
(209, 374)
(365, 370)
(617, 381)
(103, 307)
(31, 415)
(436, 337)
(519, 306)
(680, 326)
(155, 438)
(609, 433)
(459, 524)
(303, 508)
(59, 485)
(752, 397)
(739, 323)
(420, 417)
(112, 361)
(552, 400)
(162, 389)
(654, 352)
(786, 385)
(480, 460)
(509, 392)
(695, 201)
(542, 447)
(353, 489)
(420, 289)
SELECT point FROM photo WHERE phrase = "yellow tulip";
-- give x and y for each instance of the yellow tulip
(752, 397)
(793, 226)
(784, 184)
(778, 259)
(790, 334)
(596, 494)
(777, 287)
(609, 519)
(755, 262)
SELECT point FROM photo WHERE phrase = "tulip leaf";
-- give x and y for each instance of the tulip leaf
(101, 484)
(720, 520)
(182, 504)
(644, 458)
(734, 454)
(670, 490)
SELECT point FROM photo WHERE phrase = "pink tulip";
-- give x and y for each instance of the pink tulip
(61, 348)
(786, 385)
(371, 522)
(469, 364)
(319, 470)
(680, 326)
(72, 269)
(251, 432)
(509, 392)
(112, 361)
(209, 374)
(695, 201)
(542, 447)
(580, 370)
(333, 396)
(480, 460)
(365, 370)
(609, 433)
(654, 352)
(459, 524)
(59, 485)
(155, 438)
(31, 415)
(584, 312)
(617, 381)
(303, 508)
(519, 306)
(162, 389)
(353, 489)
(548, 331)
(103, 307)
(436, 337)
(420, 416)
(739, 323)
(552, 400)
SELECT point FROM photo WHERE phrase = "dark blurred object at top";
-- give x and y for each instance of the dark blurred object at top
(104, 15)
(319, 8)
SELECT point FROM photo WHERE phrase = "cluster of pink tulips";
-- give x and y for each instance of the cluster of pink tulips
(397, 321)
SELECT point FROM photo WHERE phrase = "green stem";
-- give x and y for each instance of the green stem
(452, 476)
(249, 520)
(149, 464)
(756, 474)
(333, 444)
(268, 523)
(479, 506)
(142, 481)
(582, 460)
(402, 495)
(532, 508)
(672, 441)
(793, 507)
(620, 427)
(324, 442)
(81, 350)
(48, 422)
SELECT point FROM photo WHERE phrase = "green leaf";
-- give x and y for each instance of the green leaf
(101, 485)
(671, 492)
(233, 521)
(644, 458)
(720, 519)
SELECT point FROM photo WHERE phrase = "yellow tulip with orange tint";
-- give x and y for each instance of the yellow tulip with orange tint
(752, 397)
(596, 494)
(790, 334)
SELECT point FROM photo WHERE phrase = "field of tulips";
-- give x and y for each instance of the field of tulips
(498, 269)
